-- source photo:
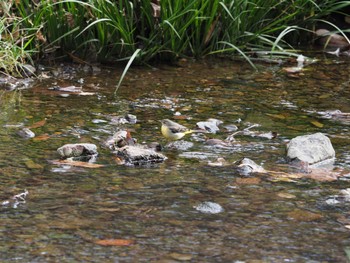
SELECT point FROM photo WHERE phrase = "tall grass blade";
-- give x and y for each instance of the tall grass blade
(126, 69)
(234, 48)
(282, 35)
(342, 32)
(172, 27)
(92, 24)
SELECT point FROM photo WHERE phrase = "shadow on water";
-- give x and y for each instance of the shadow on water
(148, 214)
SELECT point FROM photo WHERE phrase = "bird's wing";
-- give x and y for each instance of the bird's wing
(177, 129)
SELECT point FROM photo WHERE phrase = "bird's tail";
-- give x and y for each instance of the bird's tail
(196, 131)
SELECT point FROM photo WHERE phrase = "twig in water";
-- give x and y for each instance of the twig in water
(231, 138)
(16, 199)
(21, 196)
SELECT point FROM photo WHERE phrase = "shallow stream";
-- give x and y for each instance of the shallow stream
(119, 213)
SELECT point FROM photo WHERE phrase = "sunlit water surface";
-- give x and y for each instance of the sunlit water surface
(152, 209)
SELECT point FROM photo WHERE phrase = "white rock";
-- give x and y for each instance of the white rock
(312, 148)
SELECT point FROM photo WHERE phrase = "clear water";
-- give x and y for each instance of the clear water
(69, 209)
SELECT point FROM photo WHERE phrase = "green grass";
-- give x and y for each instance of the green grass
(112, 31)
(14, 43)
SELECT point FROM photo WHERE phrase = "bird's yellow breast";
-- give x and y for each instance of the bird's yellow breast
(167, 133)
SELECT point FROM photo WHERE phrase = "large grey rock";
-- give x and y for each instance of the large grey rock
(327, 39)
(137, 155)
(77, 150)
(312, 148)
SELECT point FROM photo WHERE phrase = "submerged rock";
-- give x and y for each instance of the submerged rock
(211, 125)
(329, 114)
(70, 89)
(337, 115)
(26, 133)
(137, 155)
(219, 162)
(341, 199)
(312, 148)
(155, 146)
(28, 70)
(180, 145)
(209, 208)
(198, 155)
(231, 128)
(247, 166)
(218, 143)
(9, 83)
(77, 150)
(119, 140)
(300, 166)
(124, 119)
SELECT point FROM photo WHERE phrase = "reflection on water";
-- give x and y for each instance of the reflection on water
(150, 212)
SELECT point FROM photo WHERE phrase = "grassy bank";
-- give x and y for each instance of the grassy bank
(111, 31)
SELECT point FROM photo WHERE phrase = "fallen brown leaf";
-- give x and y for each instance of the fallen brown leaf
(77, 163)
(37, 124)
(251, 180)
(181, 257)
(292, 70)
(42, 137)
(323, 175)
(285, 195)
(181, 117)
(114, 242)
(318, 174)
(277, 116)
(303, 215)
(285, 177)
(119, 160)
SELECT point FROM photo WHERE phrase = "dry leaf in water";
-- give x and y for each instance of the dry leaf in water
(119, 160)
(114, 242)
(37, 124)
(42, 137)
(317, 124)
(249, 180)
(286, 195)
(323, 175)
(303, 215)
(181, 257)
(30, 164)
(292, 70)
(78, 163)
(277, 116)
